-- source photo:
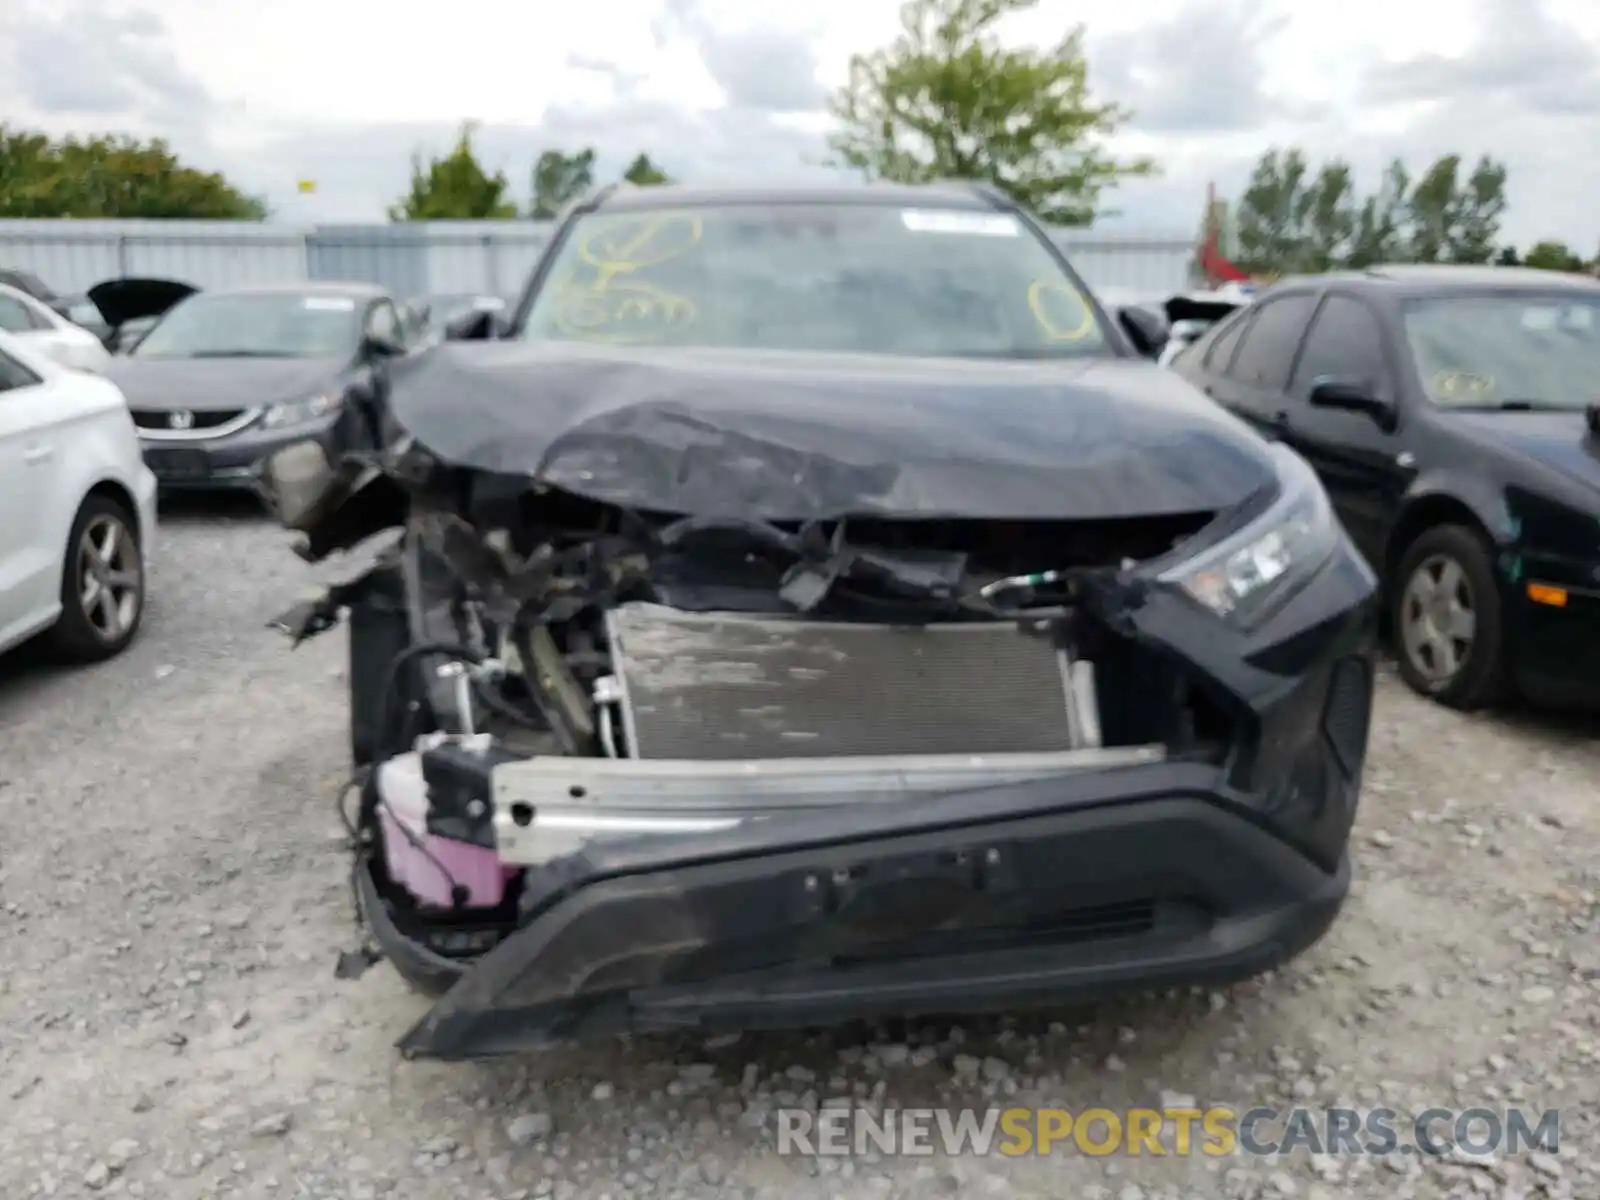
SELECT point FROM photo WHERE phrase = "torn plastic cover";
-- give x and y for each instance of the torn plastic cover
(788, 437)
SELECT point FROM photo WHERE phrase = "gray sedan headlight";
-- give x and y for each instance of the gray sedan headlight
(299, 412)
(1253, 570)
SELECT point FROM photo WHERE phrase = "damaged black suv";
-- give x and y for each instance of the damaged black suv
(810, 605)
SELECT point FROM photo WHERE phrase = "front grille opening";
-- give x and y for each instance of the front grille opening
(148, 419)
(1151, 698)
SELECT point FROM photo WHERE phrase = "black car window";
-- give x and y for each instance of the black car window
(14, 375)
(1224, 341)
(1346, 341)
(1266, 355)
(1538, 349)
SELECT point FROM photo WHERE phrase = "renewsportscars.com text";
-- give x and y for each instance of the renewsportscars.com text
(1215, 1131)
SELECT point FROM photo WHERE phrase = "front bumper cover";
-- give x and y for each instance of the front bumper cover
(1023, 895)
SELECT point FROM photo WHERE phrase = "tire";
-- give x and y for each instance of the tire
(92, 630)
(1446, 571)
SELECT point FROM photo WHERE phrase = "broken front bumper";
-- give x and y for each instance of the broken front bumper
(1021, 894)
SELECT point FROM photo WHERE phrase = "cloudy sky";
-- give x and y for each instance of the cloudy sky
(343, 91)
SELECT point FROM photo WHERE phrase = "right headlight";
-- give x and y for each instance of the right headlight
(1250, 572)
(299, 412)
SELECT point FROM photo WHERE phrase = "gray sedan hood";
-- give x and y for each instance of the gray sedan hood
(217, 384)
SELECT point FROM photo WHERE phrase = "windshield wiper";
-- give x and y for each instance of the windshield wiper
(241, 354)
(1022, 353)
(1518, 404)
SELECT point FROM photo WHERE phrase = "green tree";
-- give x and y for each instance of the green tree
(946, 100)
(1330, 218)
(454, 188)
(1553, 256)
(111, 177)
(1508, 257)
(1272, 213)
(559, 179)
(642, 172)
(1380, 227)
(1456, 220)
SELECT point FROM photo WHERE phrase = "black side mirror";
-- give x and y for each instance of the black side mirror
(477, 325)
(1349, 395)
(1147, 330)
(379, 345)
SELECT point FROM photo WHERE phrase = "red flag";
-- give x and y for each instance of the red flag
(1216, 267)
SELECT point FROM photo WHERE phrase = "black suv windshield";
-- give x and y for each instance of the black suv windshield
(255, 325)
(1508, 348)
(844, 278)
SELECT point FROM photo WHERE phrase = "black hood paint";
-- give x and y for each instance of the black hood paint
(1558, 440)
(214, 384)
(124, 300)
(786, 436)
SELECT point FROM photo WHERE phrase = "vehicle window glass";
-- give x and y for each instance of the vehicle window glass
(14, 375)
(1487, 349)
(824, 278)
(1224, 341)
(1267, 352)
(14, 316)
(1345, 341)
(271, 324)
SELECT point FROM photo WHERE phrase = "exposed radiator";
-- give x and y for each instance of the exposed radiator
(731, 686)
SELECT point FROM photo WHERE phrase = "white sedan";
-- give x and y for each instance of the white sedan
(77, 508)
(41, 327)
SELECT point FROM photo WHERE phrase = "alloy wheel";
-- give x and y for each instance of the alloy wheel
(1438, 619)
(110, 581)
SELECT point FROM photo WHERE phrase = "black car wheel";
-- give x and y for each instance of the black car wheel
(1449, 634)
(102, 584)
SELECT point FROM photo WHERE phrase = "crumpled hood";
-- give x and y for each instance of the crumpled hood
(213, 384)
(1559, 440)
(786, 436)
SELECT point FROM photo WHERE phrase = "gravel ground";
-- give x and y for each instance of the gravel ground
(173, 895)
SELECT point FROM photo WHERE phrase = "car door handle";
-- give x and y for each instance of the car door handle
(37, 453)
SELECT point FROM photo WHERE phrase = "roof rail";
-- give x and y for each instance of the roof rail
(600, 195)
(980, 188)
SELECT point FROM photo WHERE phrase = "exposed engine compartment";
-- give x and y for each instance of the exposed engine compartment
(597, 632)
(532, 669)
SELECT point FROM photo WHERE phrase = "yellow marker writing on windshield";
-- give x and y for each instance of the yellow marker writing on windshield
(1459, 384)
(615, 309)
(1041, 292)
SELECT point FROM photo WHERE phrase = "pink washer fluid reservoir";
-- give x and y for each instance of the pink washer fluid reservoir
(429, 866)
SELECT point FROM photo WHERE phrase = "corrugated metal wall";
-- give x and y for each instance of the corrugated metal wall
(431, 256)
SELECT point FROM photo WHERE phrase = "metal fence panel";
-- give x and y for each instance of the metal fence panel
(1143, 264)
(428, 256)
(396, 257)
(72, 256)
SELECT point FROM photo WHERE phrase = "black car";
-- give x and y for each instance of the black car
(225, 377)
(1445, 410)
(829, 610)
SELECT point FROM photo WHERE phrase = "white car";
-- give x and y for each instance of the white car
(46, 330)
(77, 508)
(1190, 314)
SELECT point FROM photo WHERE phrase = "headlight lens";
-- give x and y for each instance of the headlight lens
(299, 412)
(1248, 574)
